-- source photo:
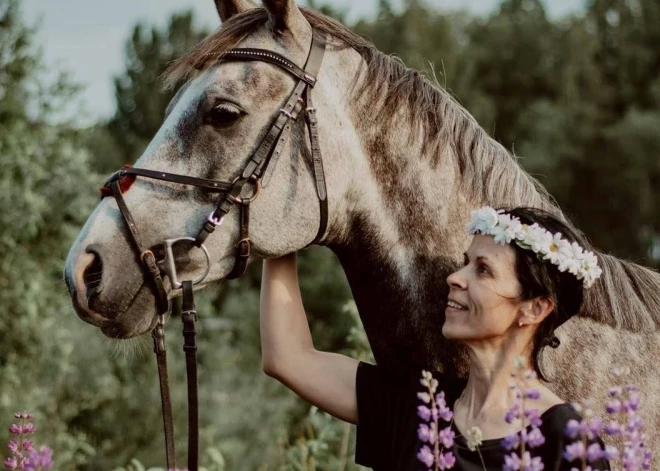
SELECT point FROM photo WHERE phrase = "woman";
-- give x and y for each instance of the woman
(523, 276)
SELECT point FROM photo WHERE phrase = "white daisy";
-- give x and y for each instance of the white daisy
(483, 220)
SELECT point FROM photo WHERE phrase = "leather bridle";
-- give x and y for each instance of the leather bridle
(255, 174)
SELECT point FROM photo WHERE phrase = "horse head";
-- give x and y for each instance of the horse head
(212, 129)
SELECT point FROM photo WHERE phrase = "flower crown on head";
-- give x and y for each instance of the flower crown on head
(505, 228)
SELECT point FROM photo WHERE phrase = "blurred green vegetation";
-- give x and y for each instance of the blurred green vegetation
(577, 98)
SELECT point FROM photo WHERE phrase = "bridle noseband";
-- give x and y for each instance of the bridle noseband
(257, 174)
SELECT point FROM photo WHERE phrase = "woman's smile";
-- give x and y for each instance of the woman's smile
(455, 307)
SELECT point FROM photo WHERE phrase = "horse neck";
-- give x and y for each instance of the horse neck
(405, 233)
(401, 237)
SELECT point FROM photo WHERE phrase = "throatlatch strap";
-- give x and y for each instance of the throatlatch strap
(319, 173)
(158, 335)
(244, 244)
(189, 317)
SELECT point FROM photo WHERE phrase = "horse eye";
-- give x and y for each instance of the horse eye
(224, 115)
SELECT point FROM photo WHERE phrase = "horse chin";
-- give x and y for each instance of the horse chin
(138, 318)
(123, 330)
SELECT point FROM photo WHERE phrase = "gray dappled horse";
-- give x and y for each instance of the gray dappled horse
(404, 164)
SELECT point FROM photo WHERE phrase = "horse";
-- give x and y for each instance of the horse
(404, 164)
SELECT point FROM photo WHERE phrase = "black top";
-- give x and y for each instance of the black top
(387, 426)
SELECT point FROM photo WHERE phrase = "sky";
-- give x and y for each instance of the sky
(86, 37)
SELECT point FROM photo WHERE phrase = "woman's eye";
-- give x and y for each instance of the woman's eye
(224, 115)
(481, 268)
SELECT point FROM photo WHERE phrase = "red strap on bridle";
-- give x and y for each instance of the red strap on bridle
(125, 183)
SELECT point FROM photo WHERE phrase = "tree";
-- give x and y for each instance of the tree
(141, 100)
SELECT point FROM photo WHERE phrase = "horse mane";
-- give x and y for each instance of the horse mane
(627, 296)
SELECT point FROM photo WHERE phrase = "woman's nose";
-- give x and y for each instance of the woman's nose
(457, 280)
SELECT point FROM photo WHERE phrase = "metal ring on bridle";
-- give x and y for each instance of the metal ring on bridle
(241, 199)
(257, 189)
(169, 263)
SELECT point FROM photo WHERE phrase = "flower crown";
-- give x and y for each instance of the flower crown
(570, 257)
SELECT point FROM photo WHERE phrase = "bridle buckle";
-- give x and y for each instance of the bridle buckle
(215, 221)
(286, 112)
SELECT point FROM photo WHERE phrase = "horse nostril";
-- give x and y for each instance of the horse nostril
(93, 274)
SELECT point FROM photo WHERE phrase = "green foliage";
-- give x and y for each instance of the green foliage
(141, 101)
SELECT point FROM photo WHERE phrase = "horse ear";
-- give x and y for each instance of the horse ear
(285, 15)
(228, 8)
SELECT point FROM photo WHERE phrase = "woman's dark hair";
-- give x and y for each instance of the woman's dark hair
(540, 278)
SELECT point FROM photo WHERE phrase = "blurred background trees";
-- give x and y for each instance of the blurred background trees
(577, 98)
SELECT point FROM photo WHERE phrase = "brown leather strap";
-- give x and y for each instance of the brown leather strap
(210, 185)
(160, 349)
(189, 317)
(146, 256)
(244, 244)
(269, 167)
(261, 55)
(317, 165)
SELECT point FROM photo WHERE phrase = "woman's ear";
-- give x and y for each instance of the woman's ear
(534, 311)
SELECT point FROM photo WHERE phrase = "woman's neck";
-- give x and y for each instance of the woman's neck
(492, 368)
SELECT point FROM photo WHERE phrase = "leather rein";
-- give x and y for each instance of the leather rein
(256, 175)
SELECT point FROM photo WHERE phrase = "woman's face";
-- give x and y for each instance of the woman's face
(484, 295)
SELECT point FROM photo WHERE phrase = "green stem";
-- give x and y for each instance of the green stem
(482, 459)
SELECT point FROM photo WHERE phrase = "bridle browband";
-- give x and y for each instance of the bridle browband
(256, 174)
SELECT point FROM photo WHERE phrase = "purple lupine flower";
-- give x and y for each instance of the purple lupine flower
(511, 462)
(425, 455)
(574, 451)
(613, 406)
(527, 463)
(533, 394)
(445, 413)
(16, 429)
(429, 433)
(446, 437)
(446, 460)
(634, 400)
(533, 417)
(41, 460)
(28, 445)
(425, 434)
(613, 428)
(11, 463)
(424, 413)
(512, 414)
(440, 398)
(615, 391)
(594, 452)
(523, 460)
(573, 428)
(12, 445)
(29, 429)
(594, 427)
(534, 438)
(610, 453)
(511, 442)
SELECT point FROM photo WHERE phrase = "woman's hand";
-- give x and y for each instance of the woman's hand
(327, 380)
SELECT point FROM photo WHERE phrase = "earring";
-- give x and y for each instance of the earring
(520, 324)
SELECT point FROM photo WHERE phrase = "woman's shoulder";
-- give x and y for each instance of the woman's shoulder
(555, 419)
(406, 379)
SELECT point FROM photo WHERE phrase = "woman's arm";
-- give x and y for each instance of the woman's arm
(326, 380)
